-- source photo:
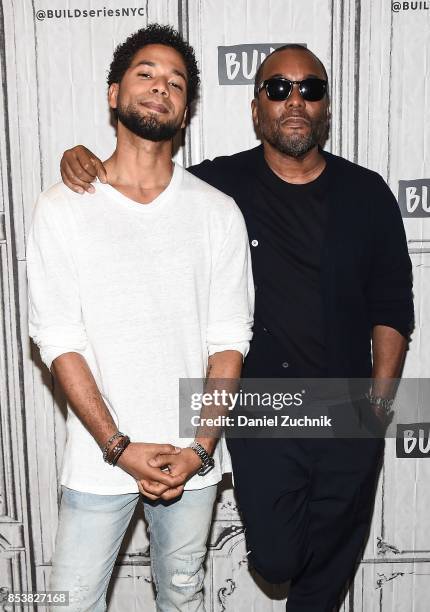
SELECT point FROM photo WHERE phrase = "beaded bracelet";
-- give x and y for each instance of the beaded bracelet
(115, 452)
(106, 447)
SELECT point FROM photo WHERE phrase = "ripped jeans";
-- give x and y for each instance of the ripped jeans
(90, 531)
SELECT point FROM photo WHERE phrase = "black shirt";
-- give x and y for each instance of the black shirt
(289, 223)
(330, 261)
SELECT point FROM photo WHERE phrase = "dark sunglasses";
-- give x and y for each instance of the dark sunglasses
(279, 88)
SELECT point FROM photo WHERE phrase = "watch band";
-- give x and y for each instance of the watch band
(385, 403)
(208, 462)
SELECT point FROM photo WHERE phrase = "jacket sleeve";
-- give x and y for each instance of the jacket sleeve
(389, 289)
(55, 317)
(231, 305)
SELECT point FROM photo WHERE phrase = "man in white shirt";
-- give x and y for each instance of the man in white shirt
(144, 283)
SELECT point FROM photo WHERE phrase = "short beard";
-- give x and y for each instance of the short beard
(294, 145)
(146, 126)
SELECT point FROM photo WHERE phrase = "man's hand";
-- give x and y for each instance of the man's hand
(181, 466)
(379, 412)
(80, 168)
(137, 459)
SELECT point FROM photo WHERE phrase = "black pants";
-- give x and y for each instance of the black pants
(306, 506)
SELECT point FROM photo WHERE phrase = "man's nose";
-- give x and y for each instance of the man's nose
(295, 98)
(160, 86)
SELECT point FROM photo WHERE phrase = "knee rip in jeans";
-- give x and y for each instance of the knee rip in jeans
(190, 577)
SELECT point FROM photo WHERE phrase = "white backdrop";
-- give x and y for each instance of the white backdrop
(54, 59)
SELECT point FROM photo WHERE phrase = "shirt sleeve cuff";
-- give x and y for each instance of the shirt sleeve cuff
(49, 353)
(404, 328)
(241, 347)
(56, 340)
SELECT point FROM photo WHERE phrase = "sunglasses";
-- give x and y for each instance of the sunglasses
(279, 88)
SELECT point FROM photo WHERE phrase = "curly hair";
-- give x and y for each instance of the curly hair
(155, 34)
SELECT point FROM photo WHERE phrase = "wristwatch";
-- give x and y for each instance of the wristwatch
(385, 403)
(208, 462)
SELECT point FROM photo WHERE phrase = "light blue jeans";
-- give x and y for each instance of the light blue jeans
(90, 531)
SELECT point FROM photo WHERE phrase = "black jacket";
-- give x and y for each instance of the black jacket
(365, 270)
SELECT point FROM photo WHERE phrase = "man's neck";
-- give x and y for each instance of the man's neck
(140, 169)
(298, 170)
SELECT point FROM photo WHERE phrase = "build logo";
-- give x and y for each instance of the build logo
(414, 198)
(238, 64)
(413, 440)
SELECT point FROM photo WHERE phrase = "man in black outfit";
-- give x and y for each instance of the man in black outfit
(333, 300)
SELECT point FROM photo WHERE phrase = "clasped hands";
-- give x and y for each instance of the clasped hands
(160, 470)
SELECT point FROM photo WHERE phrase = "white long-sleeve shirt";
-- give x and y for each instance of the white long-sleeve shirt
(145, 292)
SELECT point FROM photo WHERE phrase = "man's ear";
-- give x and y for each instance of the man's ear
(113, 95)
(254, 111)
(185, 118)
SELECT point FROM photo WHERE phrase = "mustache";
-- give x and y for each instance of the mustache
(285, 116)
